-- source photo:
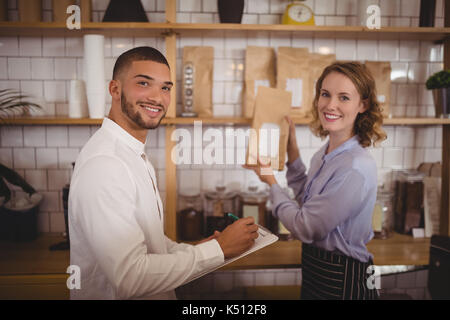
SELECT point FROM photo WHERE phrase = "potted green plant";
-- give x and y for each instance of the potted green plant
(18, 215)
(439, 83)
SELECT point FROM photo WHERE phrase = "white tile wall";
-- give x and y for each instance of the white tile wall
(43, 66)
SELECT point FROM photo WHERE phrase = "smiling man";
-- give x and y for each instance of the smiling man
(116, 217)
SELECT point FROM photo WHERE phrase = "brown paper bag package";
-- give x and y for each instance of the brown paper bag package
(259, 71)
(318, 62)
(202, 61)
(381, 72)
(270, 130)
(293, 74)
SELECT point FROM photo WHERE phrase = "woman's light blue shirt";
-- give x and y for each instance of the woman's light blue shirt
(335, 200)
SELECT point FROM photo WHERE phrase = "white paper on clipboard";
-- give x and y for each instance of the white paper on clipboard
(265, 237)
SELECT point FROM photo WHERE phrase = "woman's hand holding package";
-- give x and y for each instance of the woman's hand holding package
(292, 147)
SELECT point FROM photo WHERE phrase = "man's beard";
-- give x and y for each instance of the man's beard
(127, 108)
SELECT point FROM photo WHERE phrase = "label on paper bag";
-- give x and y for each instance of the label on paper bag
(295, 86)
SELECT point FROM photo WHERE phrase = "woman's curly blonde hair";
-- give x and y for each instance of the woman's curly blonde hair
(367, 124)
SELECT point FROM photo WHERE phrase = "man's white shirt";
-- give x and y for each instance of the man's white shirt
(116, 225)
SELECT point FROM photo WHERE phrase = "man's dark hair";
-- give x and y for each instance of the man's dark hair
(137, 54)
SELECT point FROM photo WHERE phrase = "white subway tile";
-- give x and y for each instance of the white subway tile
(393, 157)
(417, 72)
(335, 21)
(216, 41)
(19, 68)
(189, 181)
(211, 178)
(410, 8)
(9, 46)
(24, 158)
(249, 19)
(409, 50)
(53, 47)
(57, 136)
(388, 50)
(3, 68)
(34, 136)
(390, 7)
(66, 69)
(11, 136)
(37, 179)
(325, 7)
(346, 7)
(33, 89)
(412, 158)
(345, 49)
(190, 5)
(269, 19)
(234, 180)
(55, 91)
(50, 202)
(399, 72)
(223, 110)
(404, 136)
(42, 68)
(120, 45)
(57, 179)
(210, 6)
(78, 136)
(66, 156)
(202, 18)
(235, 45)
(407, 94)
(46, 158)
(430, 51)
(282, 39)
(324, 46)
(400, 22)
(258, 6)
(285, 278)
(74, 47)
(265, 279)
(298, 42)
(218, 92)
(30, 46)
(6, 157)
(425, 137)
(366, 50)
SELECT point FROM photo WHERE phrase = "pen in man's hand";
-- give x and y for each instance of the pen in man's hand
(232, 216)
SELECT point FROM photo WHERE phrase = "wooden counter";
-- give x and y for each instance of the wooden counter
(35, 258)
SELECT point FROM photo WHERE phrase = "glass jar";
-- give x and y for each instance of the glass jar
(216, 205)
(409, 212)
(383, 215)
(190, 217)
(253, 204)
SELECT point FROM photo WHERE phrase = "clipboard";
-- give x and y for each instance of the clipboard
(265, 238)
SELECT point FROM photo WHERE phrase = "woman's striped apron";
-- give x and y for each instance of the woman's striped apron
(327, 275)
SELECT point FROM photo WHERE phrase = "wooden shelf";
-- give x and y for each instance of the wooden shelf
(35, 258)
(144, 29)
(62, 120)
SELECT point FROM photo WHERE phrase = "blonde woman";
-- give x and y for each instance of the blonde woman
(335, 199)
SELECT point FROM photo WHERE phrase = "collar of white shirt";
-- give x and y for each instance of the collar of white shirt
(124, 136)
